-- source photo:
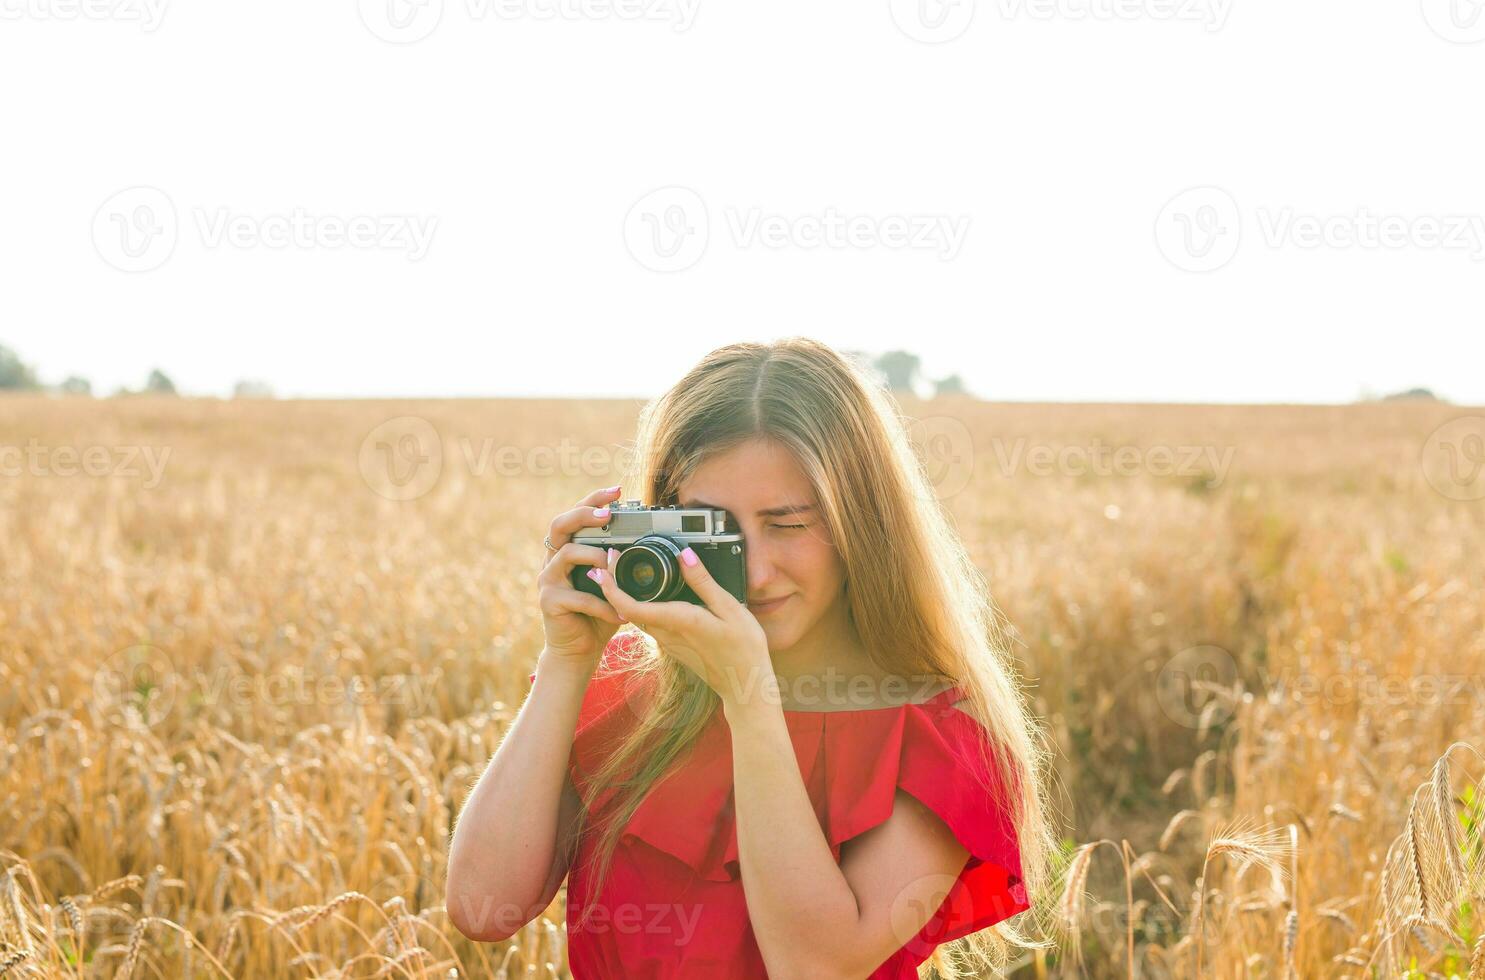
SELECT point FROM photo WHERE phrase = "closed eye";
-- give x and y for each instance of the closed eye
(797, 527)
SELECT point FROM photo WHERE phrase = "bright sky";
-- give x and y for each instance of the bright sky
(1081, 200)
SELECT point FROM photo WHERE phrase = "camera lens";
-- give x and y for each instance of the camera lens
(647, 571)
(642, 574)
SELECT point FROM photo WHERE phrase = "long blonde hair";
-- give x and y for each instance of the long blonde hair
(914, 596)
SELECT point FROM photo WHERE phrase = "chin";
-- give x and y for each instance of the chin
(780, 635)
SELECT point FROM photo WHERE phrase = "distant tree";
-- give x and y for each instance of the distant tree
(76, 386)
(901, 370)
(13, 374)
(159, 383)
(1419, 393)
(252, 389)
(952, 385)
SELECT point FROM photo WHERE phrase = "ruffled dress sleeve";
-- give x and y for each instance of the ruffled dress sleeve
(941, 765)
(931, 751)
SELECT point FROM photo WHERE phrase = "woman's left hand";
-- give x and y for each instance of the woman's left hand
(721, 642)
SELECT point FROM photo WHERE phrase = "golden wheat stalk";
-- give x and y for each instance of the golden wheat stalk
(17, 913)
(1244, 846)
(1174, 827)
(12, 960)
(1074, 894)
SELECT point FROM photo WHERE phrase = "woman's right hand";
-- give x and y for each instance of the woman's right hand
(577, 625)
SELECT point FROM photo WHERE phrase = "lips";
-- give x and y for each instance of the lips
(769, 605)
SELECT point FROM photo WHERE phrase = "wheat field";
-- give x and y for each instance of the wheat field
(253, 654)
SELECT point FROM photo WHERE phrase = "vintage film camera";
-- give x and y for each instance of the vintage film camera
(650, 541)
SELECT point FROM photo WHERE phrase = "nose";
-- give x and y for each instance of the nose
(763, 573)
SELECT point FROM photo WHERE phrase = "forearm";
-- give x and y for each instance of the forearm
(504, 843)
(801, 907)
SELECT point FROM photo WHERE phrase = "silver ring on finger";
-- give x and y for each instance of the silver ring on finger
(548, 542)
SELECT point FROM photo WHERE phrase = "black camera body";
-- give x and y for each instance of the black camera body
(650, 541)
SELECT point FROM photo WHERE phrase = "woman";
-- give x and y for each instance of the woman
(721, 816)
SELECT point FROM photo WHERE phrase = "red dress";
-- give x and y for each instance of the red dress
(673, 904)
